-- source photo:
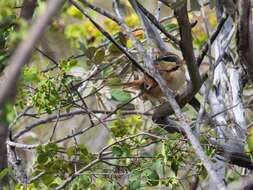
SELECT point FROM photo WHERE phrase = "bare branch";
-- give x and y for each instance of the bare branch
(187, 46)
(100, 10)
(3, 151)
(212, 39)
(245, 36)
(28, 8)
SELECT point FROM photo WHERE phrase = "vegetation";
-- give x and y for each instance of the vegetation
(126, 94)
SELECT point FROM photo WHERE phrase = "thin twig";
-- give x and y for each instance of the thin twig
(47, 56)
(158, 25)
(212, 39)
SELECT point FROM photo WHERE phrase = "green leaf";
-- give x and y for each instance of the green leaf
(115, 81)
(200, 40)
(108, 71)
(42, 158)
(51, 148)
(85, 156)
(195, 5)
(9, 113)
(4, 172)
(159, 166)
(119, 129)
(99, 56)
(93, 187)
(31, 74)
(114, 50)
(66, 65)
(152, 176)
(120, 95)
(174, 166)
(57, 181)
(116, 150)
(83, 149)
(164, 152)
(47, 179)
(84, 181)
(202, 171)
(72, 63)
(90, 52)
(73, 11)
(134, 185)
(171, 181)
(74, 31)
(122, 39)
(171, 26)
(71, 151)
(126, 150)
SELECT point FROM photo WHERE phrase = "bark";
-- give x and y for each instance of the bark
(187, 46)
(28, 8)
(245, 36)
(19, 58)
(27, 11)
(3, 152)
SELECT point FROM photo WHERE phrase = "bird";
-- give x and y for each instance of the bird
(172, 70)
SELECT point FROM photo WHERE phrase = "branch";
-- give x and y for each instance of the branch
(183, 97)
(212, 39)
(3, 151)
(77, 173)
(28, 8)
(100, 10)
(187, 46)
(158, 25)
(71, 114)
(245, 36)
(235, 157)
(47, 56)
(166, 2)
(153, 37)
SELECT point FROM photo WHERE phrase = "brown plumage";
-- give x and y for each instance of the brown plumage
(171, 69)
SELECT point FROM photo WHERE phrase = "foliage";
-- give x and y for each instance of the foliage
(73, 91)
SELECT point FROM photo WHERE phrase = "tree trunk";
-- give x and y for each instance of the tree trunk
(3, 152)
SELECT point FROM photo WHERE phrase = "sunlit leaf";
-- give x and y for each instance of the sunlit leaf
(4, 172)
(73, 11)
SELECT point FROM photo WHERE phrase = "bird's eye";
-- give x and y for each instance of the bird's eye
(146, 86)
(169, 58)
